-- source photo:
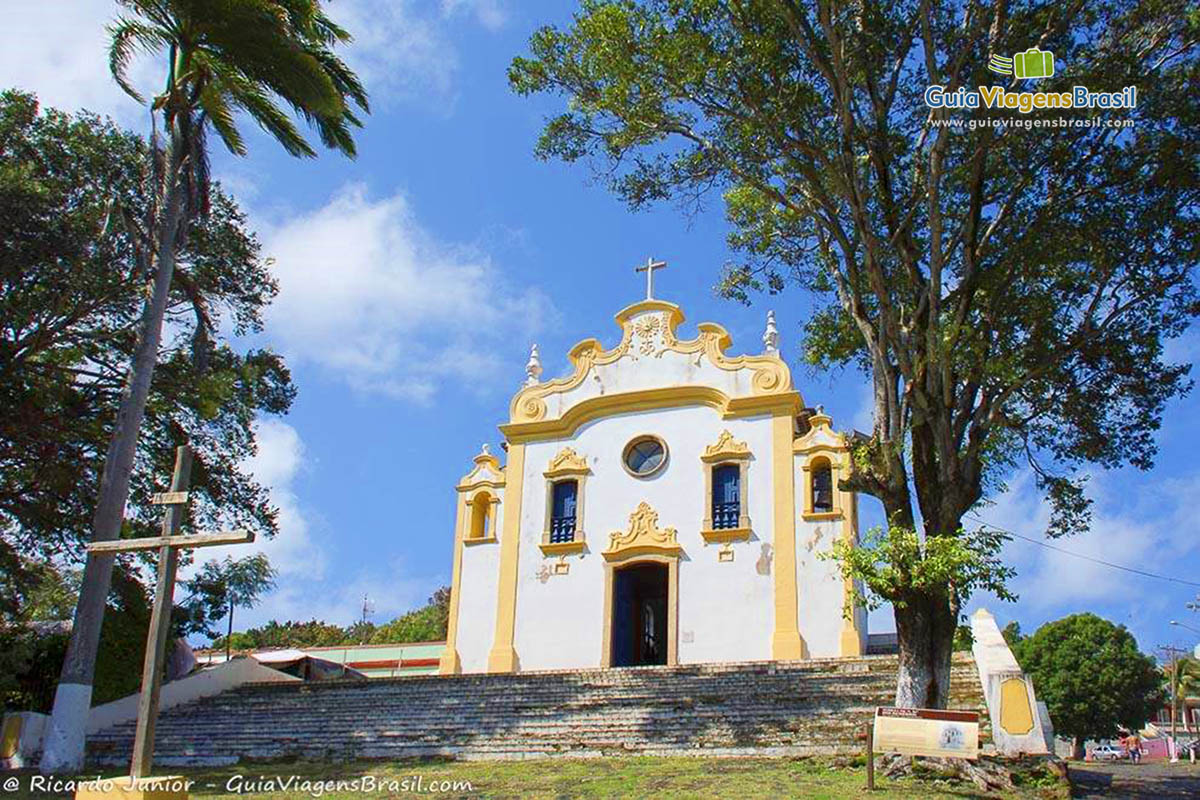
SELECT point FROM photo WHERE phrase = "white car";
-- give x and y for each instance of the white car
(1107, 752)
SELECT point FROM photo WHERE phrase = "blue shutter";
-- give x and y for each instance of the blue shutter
(726, 496)
(562, 513)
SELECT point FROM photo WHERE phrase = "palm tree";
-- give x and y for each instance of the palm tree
(224, 57)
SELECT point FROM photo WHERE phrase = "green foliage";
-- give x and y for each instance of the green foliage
(220, 587)
(1091, 676)
(425, 624)
(894, 563)
(70, 296)
(248, 57)
(32, 647)
(1008, 291)
(313, 633)
(963, 638)
(1012, 633)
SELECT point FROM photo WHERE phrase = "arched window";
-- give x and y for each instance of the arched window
(726, 496)
(562, 511)
(822, 487)
(481, 511)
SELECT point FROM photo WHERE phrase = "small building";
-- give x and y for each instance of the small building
(664, 502)
(370, 660)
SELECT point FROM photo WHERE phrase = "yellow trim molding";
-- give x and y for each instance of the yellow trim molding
(503, 658)
(786, 642)
(643, 537)
(480, 527)
(566, 465)
(650, 400)
(852, 639)
(726, 450)
(486, 472)
(610, 569)
(722, 535)
(449, 663)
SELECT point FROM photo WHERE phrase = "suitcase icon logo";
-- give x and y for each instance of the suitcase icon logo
(1033, 63)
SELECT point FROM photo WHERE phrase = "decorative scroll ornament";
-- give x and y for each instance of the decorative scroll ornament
(644, 537)
(567, 462)
(648, 330)
(725, 447)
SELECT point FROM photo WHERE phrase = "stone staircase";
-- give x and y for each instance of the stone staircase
(752, 708)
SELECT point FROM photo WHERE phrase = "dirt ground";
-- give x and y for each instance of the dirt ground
(1122, 779)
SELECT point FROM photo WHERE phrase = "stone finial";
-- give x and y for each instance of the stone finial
(533, 368)
(771, 336)
(485, 449)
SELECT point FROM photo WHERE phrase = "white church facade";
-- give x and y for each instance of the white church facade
(665, 503)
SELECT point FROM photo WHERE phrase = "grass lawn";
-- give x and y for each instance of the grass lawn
(560, 778)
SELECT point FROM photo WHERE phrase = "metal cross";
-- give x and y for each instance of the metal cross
(649, 268)
(168, 546)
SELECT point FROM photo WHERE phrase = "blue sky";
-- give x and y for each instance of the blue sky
(414, 279)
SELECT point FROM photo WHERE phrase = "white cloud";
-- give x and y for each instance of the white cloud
(58, 49)
(402, 49)
(1138, 522)
(367, 294)
(489, 13)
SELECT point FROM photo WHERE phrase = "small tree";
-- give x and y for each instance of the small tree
(1091, 676)
(222, 586)
(1183, 681)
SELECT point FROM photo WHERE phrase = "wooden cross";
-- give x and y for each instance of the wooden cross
(168, 546)
(649, 268)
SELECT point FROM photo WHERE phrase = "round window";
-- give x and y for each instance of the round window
(645, 456)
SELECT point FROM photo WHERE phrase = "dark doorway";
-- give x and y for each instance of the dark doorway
(639, 615)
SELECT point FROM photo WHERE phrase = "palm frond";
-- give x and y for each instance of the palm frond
(129, 37)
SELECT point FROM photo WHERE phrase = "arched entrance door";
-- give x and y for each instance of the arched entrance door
(639, 615)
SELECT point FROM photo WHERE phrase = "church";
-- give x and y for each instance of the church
(664, 503)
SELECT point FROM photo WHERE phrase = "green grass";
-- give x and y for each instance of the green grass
(632, 777)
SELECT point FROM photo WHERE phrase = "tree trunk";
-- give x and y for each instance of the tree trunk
(229, 635)
(925, 626)
(1077, 752)
(64, 744)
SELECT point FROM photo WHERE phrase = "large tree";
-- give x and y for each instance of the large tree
(1007, 290)
(70, 294)
(219, 587)
(250, 57)
(1091, 676)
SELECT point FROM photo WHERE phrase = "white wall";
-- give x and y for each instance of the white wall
(819, 585)
(204, 683)
(478, 585)
(726, 607)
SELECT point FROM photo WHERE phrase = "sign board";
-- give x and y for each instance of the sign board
(927, 732)
(169, 498)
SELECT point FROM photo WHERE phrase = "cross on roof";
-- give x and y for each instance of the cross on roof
(649, 268)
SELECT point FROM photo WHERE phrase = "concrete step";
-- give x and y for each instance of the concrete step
(815, 706)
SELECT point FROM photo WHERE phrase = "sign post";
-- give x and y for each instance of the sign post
(168, 546)
(926, 732)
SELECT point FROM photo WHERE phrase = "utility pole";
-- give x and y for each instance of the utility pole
(1173, 653)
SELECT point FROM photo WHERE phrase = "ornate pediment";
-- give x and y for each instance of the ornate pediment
(649, 332)
(567, 462)
(486, 472)
(643, 537)
(726, 447)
